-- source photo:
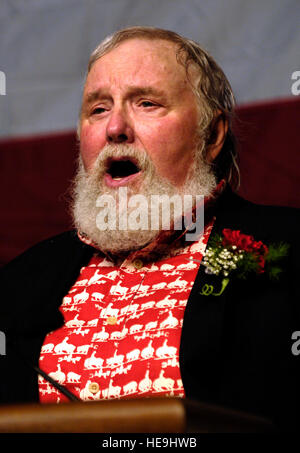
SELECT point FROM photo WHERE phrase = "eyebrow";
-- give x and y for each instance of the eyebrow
(132, 91)
(146, 91)
(91, 97)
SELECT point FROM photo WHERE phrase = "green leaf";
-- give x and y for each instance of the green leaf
(277, 252)
(274, 272)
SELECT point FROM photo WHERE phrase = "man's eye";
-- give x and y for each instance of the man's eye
(98, 110)
(147, 104)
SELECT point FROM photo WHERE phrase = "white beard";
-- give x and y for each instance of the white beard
(89, 186)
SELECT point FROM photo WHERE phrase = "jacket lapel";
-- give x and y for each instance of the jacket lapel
(202, 340)
(202, 332)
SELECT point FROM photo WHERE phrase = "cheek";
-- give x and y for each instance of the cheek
(172, 147)
(91, 143)
(177, 133)
(173, 143)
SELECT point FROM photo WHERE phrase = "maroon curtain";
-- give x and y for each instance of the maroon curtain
(36, 173)
(269, 149)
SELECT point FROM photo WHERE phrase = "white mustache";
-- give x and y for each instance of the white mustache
(110, 152)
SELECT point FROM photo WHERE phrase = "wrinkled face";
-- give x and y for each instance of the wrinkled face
(138, 94)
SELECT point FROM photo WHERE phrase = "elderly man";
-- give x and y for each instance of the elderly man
(128, 304)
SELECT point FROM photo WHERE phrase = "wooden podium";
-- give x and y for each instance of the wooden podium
(149, 415)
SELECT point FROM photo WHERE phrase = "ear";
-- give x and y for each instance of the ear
(217, 137)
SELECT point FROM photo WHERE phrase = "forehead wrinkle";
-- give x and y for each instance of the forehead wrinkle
(164, 63)
(142, 61)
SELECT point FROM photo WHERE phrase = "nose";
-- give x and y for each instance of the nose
(118, 129)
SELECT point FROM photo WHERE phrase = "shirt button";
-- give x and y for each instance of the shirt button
(112, 320)
(138, 264)
(94, 387)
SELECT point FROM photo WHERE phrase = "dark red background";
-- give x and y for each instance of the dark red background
(36, 173)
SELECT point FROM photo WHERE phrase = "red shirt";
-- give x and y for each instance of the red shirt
(122, 328)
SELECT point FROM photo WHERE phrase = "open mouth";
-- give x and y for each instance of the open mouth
(120, 171)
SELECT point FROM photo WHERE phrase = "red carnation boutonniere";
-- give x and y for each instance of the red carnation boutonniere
(234, 254)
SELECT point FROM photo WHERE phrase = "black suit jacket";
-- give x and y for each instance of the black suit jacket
(235, 348)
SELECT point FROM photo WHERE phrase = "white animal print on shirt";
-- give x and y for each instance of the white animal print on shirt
(122, 329)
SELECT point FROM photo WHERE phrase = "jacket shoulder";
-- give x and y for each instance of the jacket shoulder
(35, 282)
(261, 221)
(46, 250)
(48, 263)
